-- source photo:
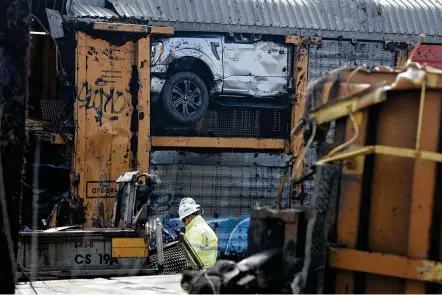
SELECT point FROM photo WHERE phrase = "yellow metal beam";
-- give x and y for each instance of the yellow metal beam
(386, 264)
(343, 107)
(142, 60)
(218, 142)
(384, 150)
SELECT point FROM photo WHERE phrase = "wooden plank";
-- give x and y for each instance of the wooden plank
(219, 142)
(385, 265)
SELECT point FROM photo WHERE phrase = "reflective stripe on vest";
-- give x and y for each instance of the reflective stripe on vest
(203, 248)
(203, 240)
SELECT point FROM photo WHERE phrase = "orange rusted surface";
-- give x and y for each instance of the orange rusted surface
(387, 199)
(296, 40)
(107, 119)
(219, 142)
(350, 201)
(424, 187)
(132, 28)
(142, 60)
(429, 54)
(386, 265)
(300, 76)
(392, 184)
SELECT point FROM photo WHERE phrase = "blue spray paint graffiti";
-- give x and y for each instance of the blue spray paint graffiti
(231, 232)
(226, 185)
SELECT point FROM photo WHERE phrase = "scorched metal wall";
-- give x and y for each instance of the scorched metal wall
(226, 185)
(429, 54)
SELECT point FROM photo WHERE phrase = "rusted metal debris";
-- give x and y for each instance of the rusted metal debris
(390, 157)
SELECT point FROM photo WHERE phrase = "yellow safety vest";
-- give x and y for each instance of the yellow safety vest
(203, 240)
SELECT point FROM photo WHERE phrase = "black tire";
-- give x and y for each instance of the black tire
(177, 101)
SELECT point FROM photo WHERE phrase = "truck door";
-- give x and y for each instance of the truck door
(254, 67)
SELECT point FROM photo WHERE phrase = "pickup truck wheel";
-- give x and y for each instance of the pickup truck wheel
(185, 98)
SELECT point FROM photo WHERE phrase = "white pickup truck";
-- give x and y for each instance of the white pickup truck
(232, 70)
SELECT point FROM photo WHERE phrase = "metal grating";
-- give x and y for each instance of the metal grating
(175, 259)
(51, 109)
(227, 122)
(330, 55)
(227, 185)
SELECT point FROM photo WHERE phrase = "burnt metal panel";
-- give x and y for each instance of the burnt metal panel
(110, 84)
(329, 18)
(227, 122)
(330, 55)
(55, 23)
(82, 251)
(429, 54)
(226, 185)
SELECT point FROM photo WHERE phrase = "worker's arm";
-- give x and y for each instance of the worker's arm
(195, 238)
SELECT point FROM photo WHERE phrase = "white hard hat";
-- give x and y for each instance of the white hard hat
(187, 209)
(187, 201)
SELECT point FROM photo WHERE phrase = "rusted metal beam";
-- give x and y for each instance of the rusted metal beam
(300, 76)
(386, 265)
(349, 207)
(132, 28)
(343, 107)
(391, 183)
(219, 142)
(142, 59)
(296, 40)
(384, 150)
(424, 185)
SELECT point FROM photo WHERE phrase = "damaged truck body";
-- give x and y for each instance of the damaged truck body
(123, 103)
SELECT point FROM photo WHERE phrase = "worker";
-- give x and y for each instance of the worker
(199, 234)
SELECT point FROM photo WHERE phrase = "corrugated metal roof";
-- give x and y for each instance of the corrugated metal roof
(360, 17)
(89, 8)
